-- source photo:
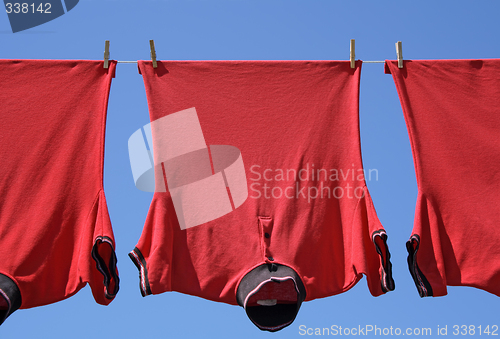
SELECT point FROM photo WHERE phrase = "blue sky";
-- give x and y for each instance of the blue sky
(259, 30)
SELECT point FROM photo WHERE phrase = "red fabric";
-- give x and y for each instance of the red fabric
(281, 115)
(52, 204)
(452, 112)
(284, 292)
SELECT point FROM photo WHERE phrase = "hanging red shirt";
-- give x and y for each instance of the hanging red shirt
(55, 232)
(452, 112)
(307, 228)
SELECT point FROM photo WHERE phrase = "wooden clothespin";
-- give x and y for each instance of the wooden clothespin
(399, 52)
(153, 53)
(106, 54)
(352, 55)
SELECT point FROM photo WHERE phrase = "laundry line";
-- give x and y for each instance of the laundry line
(367, 62)
(352, 55)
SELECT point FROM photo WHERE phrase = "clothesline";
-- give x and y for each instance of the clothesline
(367, 62)
(399, 53)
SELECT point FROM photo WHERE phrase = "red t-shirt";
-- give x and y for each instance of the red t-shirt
(452, 112)
(307, 211)
(55, 232)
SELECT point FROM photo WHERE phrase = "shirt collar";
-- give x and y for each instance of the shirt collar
(271, 295)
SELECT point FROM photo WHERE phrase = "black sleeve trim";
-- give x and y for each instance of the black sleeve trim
(386, 282)
(10, 292)
(423, 286)
(108, 270)
(139, 261)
